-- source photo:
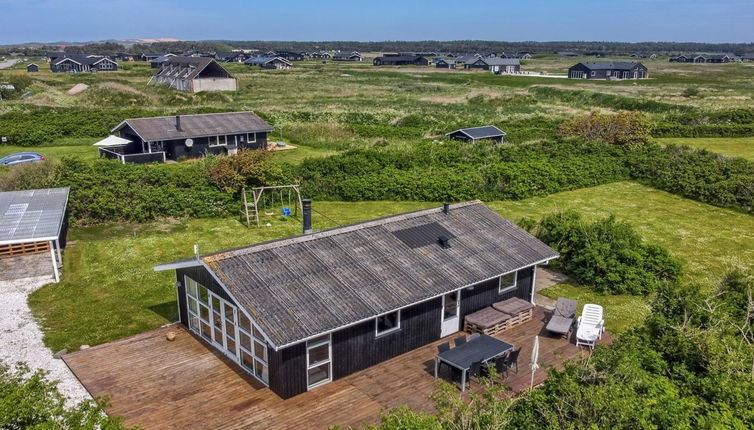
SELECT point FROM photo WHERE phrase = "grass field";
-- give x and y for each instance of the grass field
(731, 146)
(109, 290)
(85, 152)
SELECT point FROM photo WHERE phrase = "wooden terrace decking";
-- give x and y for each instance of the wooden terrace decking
(186, 384)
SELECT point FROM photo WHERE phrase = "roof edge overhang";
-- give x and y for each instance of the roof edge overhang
(175, 265)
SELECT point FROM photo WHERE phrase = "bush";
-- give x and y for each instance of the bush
(249, 168)
(623, 128)
(104, 191)
(29, 400)
(28, 176)
(690, 92)
(607, 255)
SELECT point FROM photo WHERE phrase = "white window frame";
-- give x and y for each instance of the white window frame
(249, 138)
(378, 333)
(508, 288)
(217, 141)
(328, 361)
(258, 373)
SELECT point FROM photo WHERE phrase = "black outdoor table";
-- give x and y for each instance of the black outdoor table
(483, 348)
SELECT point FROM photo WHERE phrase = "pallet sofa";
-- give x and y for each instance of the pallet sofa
(499, 317)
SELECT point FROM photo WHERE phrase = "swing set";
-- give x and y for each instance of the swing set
(264, 199)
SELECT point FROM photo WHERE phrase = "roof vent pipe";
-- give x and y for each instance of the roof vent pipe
(445, 208)
(178, 122)
(444, 242)
(307, 212)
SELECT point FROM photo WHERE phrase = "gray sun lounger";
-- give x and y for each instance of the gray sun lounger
(562, 318)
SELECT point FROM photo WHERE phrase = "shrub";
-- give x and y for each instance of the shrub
(623, 128)
(245, 169)
(690, 92)
(607, 255)
(28, 176)
(28, 400)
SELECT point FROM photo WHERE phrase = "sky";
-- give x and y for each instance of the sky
(711, 21)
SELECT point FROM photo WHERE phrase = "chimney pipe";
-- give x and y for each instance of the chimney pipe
(445, 208)
(178, 122)
(307, 211)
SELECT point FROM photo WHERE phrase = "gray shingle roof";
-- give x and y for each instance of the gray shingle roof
(483, 132)
(32, 215)
(210, 124)
(187, 67)
(496, 61)
(302, 286)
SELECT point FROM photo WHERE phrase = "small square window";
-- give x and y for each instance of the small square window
(387, 323)
(507, 283)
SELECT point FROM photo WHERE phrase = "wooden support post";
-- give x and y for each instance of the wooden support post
(54, 263)
(60, 256)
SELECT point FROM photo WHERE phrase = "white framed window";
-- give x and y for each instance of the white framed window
(218, 141)
(388, 323)
(319, 361)
(507, 283)
(225, 326)
(251, 137)
(594, 73)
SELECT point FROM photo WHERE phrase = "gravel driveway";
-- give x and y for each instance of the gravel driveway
(20, 337)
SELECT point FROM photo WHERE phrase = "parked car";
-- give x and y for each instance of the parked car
(21, 158)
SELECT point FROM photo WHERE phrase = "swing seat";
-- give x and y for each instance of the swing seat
(269, 213)
(286, 211)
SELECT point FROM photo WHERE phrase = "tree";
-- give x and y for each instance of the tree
(628, 128)
(247, 168)
(28, 400)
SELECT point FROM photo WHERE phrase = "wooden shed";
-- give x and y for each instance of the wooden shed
(300, 312)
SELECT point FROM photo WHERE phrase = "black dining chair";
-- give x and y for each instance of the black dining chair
(445, 346)
(460, 340)
(512, 359)
(475, 371)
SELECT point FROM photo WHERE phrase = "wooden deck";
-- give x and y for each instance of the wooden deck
(186, 384)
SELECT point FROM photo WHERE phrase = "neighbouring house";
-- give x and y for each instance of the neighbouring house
(81, 63)
(33, 67)
(288, 55)
(34, 222)
(608, 70)
(400, 60)
(157, 62)
(124, 56)
(347, 56)
(157, 139)
(231, 57)
(148, 56)
(568, 54)
(747, 57)
(320, 54)
(445, 64)
(195, 74)
(495, 64)
(300, 312)
(523, 55)
(474, 134)
(269, 62)
(715, 58)
(53, 55)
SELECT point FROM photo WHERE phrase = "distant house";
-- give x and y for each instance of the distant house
(568, 54)
(400, 60)
(75, 63)
(195, 74)
(124, 56)
(157, 62)
(53, 55)
(747, 57)
(445, 64)
(495, 64)
(269, 62)
(33, 67)
(523, 55)
(347, 56)
(149, 56)
(288, 55)
(300, 312)
(608, 70)
(320, 54)
(146, 140)
(474, 134)
(715, 58)
(231, 57)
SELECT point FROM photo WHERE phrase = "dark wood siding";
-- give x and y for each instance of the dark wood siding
(287, 369)
(486, 293)
(355, 348)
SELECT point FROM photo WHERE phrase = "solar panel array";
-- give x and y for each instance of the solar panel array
(32, 215)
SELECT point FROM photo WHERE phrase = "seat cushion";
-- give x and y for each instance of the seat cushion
(486, 318)
(513, 306)
(559, 324)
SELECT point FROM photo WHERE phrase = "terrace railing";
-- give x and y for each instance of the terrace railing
(139, 158)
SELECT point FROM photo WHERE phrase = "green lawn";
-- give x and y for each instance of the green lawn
(55, 152)
(296, 156)
(109, 290)
(708, 240)
(731, 146)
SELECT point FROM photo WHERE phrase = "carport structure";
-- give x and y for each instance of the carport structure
(34, 222)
